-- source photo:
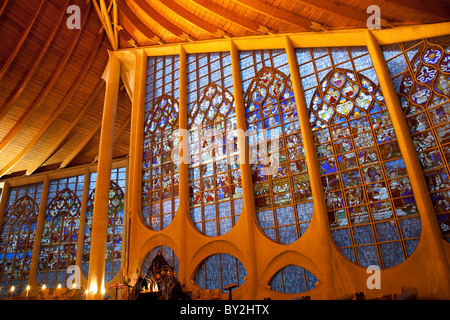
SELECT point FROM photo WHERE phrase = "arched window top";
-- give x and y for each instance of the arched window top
(66, 204)
(23, 211)
(293, 279)
(214, 104)
(116, 196)
(269, 84)
(164, 114)
(343, 95)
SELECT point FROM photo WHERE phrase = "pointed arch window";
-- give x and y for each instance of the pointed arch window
(421, 73)
(371, 210)
(160, 164)
(215, 189)
(115, 223)
(17, 235)
(60, 233)
(283, 199)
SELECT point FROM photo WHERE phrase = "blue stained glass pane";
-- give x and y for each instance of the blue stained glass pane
(363, 235)
(367, 256)
(386, 231)
(391, 253)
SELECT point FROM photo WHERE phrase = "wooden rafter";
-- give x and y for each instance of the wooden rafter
(163, 22)
(232, 17)
(193, 19)
(436, 8)
(37, 102)
(13, 54)
(3, 6)
(53, 148)
(281, 15)
(137, 22)
(9, 102)
(103, 14)
(86, 66)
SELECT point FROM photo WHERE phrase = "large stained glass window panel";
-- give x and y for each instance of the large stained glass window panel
(367, 191)
(293, 279)
(420, 71)
(281, 186)
(60, 233)
(160, 164)
(115, 223)
(17, 235)
(215, 189)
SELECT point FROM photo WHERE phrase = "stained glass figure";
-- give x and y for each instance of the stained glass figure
(371, 209)
(283, 198)
(215, 189)
(115, 223)
(60, 233)
(160, 163)
(17, 235)
(219, 270)
(293, 279)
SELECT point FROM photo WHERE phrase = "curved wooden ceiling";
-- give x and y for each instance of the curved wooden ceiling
(51, 91)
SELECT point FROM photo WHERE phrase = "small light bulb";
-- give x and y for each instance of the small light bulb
(13, 288)
(59, 286)
(28, 287)
(43, 287)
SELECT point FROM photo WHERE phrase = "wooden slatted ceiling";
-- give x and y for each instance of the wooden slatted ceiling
(51, 91)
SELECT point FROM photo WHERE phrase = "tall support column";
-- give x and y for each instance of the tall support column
(3, 199)
(183, 166)
(101, 201)
(246, 173)
(82, 226)
(32, 276)
(320, 208)
(431, 234)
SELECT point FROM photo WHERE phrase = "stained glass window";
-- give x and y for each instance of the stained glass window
(421, 75)
(215, 188)
(17, 237)
(115, 223)
(281, 186)
(60, 233)
(293, 279)
(160, 164)
(219, 270)
(371, 209)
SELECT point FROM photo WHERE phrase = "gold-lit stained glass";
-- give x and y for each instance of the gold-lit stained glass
(371, 209)
(215, 189)
(160, 163)
(421, 74)
(283, 199)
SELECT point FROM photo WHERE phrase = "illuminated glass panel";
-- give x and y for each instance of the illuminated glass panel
(115, 223)
(60, 233)
(283, 199)
(371, 209)
(293, 279)
(215, 189)
(160, 168)
(219, 270)
(420, 71)
(17, 237)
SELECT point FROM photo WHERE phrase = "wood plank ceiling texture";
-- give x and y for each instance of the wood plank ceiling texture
(51, 91)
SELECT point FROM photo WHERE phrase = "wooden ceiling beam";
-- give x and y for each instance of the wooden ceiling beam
(123, 6)
(37, 102)
(53, 148)
(281, 15)
(232, 17)
(9, 102)
(163, 22)
(3, 6)
(81, 75)
(25, 33)
(436, 8)
(193, 19)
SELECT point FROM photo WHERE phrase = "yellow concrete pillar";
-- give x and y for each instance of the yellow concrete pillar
(3, 199)
(183, 168)
(431, 235)
(248, 208)
(101, 201)
(82, 225)
(320, 208)
(32, 280)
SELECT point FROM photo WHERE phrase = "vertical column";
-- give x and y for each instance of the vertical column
(3, 199)
(320, 208)
(101, 202)
(32, 278)
(183, 166)
(246, 174)
(82, 225)
(431, 234)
